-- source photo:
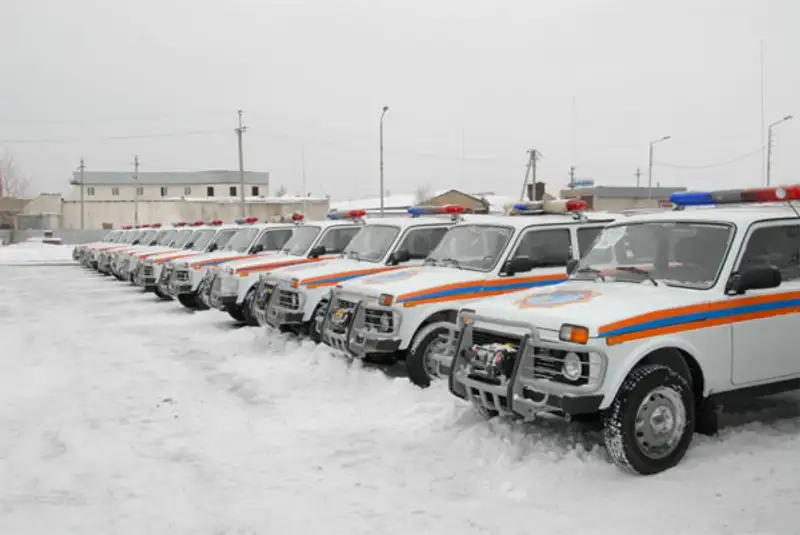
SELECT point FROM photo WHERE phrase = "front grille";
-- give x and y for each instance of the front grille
(182, 276)
(288, 299)
(147, 271)
(381, 321)
(483, 337)
(548, 365)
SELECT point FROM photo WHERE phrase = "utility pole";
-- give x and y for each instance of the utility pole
(385, 109)
(650, 167)
(638, 175)
(81, 167)
(571, 176)
(239, 131)
(136, 191)
(533, 156)
(769, 145)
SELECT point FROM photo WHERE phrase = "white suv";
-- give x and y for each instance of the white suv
(666, 318)
(407, 315)
(299, 296)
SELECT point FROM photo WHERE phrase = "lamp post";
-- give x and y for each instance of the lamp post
(769, 144)
(385, 109)
(650, 167)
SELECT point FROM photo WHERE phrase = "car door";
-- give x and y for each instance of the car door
(550, 247)
(765, 321)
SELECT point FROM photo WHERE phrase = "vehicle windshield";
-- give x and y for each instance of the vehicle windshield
(164, 237)
(372, 242)
(223, 237)
(475, 247)
(201, 238)
(181, 238)
(130, 238)
(147, 237)
(241, 240)
(301, 240)
(111, 236)
(683, 254)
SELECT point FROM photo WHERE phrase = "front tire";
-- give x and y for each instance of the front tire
(235, 311)
(162, 295)
(419, 366)
(649, 426)
(313, 326)
(247, 307)
(188, 300)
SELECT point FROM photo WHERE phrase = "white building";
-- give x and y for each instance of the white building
(122, 186)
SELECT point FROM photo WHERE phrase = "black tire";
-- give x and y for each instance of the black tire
(161, 295)
(188, 300)
(235, 311)
(313, 331)
(652, 382)
(415, 356)
(247, 307)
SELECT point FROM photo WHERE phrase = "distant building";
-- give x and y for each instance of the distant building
(621, 197)
(486, 202)
(121, 185)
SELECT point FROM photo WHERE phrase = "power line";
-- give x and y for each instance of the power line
(117, 137)
(719, 164)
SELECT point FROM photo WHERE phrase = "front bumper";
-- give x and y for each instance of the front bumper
(522, 394)
(215, 297)
(278, 315)
(343, 329)
(143, 276)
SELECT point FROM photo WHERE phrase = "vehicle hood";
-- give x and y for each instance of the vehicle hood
(331, 273)
(105, 248)
(222, 257)
(617, 311)
(152, 251)
(161, 258)
(406, 283)
(263, 265)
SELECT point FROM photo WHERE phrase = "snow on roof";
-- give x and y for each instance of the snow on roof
(403, 201)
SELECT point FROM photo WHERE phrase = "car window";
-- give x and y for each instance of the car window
(419, 242)
(337, 239)
(475, 247)
(777, 246)
(586, 237)
(274, 240)
(547, 247)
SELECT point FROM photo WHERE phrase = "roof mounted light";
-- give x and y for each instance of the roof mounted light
(198, 223)
(179, 224)
(215, 222)
(449, 209)
(251, 220)
(156, 225)
(346, 214)
(736, 196)
(146, 225)
(297, 217)
(554, 206)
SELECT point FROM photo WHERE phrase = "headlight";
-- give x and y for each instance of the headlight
(229, 284)
(572, 367)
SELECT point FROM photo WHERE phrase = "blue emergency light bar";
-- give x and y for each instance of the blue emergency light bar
(736, 196)
(452, 209)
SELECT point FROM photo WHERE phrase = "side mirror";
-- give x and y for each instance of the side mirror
(189, 245)
(398, 257)
(257, 248)
(135, 242)
(755, 278)
(213, 247)
(519, 264)
(317, 251)
(572, 265)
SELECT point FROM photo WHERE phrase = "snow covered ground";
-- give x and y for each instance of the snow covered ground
(120, 414)
(35, 253)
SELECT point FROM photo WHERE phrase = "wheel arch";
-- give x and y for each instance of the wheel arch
(680, 359)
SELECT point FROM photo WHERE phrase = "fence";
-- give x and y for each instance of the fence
(69, 237)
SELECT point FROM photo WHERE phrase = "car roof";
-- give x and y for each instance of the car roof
(739, 214)
(409, 221)
(525, 220)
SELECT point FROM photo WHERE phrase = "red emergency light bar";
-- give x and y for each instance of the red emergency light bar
(452, 209)
(733, 196)
(156, 225)
(198, 223)
(346, 214)
(179, 224)
(146, 225)
(554, 206)
(251, 220)
(297, 216)
(215, 222)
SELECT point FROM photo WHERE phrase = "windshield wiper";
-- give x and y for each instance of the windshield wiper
(452, 261)
(638, 271)
(594, 271)
(352, 254)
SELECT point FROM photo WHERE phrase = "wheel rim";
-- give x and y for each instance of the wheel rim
(439, 345)
(660, 422)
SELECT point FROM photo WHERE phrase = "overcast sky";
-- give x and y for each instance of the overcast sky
(471, 86)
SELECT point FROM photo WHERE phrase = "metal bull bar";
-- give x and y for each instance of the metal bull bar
(496, 394)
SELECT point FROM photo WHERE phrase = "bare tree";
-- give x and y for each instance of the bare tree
(13, 183)
(281, 191)
(422, 194)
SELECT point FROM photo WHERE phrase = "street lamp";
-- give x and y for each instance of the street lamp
(769, 144)
(385, 109)
(650, 167)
